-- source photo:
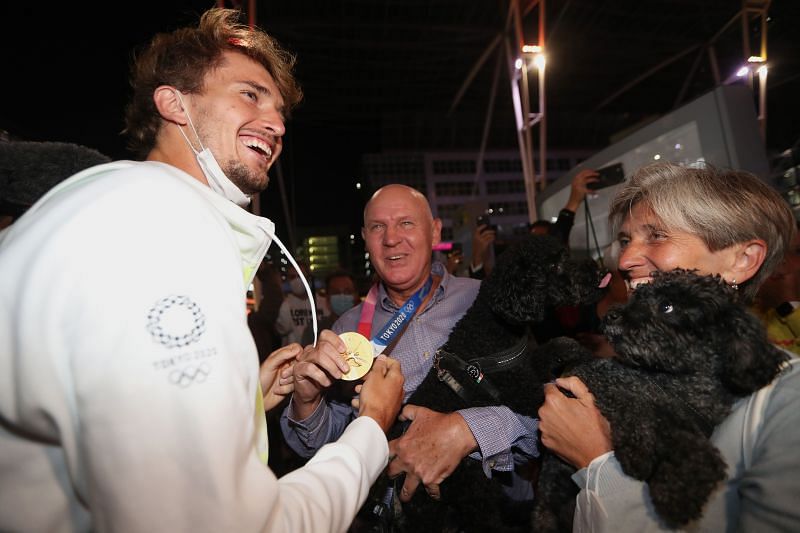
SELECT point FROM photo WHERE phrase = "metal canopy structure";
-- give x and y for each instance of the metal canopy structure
(398, 67)
(426, 75)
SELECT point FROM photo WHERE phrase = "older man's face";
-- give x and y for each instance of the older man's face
(399, 233)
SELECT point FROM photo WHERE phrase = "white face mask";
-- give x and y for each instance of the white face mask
(216, 178)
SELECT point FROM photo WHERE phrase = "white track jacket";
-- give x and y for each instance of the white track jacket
(128, 375)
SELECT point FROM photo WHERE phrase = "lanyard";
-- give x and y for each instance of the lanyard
(396, 324)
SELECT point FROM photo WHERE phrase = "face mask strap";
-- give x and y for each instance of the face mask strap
(191, 125)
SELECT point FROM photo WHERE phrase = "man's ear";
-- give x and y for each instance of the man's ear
(747, 260)
(169, 106)
(437, 231)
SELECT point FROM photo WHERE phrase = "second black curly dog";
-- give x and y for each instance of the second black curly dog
(686, 351)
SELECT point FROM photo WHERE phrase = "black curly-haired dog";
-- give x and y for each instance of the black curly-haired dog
(485, 362)
(686, 351)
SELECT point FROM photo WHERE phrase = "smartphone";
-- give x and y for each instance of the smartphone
(608, 176)
(484, 219)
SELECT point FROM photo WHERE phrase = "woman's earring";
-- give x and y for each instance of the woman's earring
(734, 285)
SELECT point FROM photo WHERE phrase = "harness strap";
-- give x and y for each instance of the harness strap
(446, 363)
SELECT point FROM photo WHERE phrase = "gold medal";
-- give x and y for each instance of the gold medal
(359, 355)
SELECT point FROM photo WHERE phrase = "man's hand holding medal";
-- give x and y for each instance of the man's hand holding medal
(348, 357)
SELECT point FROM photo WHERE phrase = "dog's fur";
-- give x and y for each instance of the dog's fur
(530, 279)
(686, 351)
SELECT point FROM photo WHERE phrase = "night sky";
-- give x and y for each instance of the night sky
(65, 79)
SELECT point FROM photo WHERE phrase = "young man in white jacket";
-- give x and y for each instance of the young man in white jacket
(130, 392)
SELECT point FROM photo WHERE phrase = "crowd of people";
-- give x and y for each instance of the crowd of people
(147, 409)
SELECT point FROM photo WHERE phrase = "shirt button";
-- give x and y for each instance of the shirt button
(491, 464)
(426, 355)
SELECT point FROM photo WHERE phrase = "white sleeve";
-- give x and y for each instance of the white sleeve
(339, 477)
(609, 501)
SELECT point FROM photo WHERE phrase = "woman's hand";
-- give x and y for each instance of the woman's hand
(573, 428)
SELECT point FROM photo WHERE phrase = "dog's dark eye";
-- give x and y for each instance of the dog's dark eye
(666, 307)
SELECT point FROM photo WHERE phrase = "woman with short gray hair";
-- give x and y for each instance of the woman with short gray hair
(718, 222)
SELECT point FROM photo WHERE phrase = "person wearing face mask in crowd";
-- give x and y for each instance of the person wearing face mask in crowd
(145, 411)
(341, 295)
(294, 315)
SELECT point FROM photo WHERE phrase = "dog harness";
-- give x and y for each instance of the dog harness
(447, 364)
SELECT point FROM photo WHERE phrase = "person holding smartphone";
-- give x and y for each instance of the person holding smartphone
(485, 233)
(483, 237)
(580, 187)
